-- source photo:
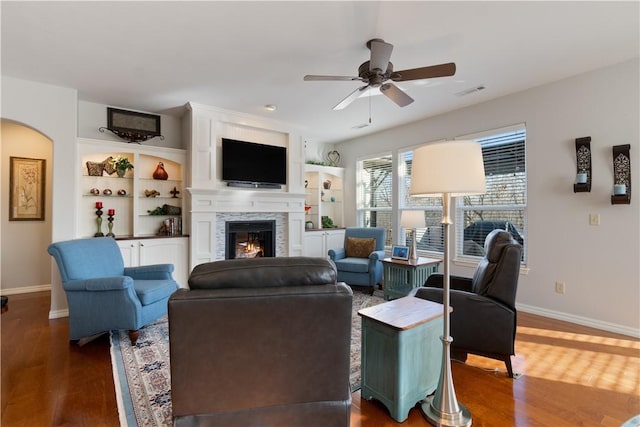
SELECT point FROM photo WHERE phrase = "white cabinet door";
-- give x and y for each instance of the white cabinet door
(318, 243)
(129, 250)
(158, 251)
(334, 239)
(314, 244)
(167, 251)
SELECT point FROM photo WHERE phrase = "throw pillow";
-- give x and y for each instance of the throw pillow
(360, 247)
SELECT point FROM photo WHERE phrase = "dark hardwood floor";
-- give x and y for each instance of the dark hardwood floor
(572, 376)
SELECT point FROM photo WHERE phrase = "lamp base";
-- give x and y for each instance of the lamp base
(413, 251)
(441, 419)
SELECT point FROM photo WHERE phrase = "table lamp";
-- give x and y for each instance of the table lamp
(447, 169)
(412, 220)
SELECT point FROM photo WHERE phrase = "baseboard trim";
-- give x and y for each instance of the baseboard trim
(56, 314)
(584, 321)
(558, 315)
(25, 290)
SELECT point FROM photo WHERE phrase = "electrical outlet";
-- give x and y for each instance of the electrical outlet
(594, 219)
(560, 287)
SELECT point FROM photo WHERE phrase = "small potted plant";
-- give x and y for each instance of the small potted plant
(122, 165)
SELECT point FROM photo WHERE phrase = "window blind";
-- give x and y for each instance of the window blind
(430, 238)
(375, 192)
(504, 203)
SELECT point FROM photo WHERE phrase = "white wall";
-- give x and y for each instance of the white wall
(25, 262)
(599, 264)
(52, 111)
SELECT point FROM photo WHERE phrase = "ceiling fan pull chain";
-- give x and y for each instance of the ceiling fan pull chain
(369, 106)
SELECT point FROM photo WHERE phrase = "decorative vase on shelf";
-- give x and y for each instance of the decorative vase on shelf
(121, 172)
(160, 173)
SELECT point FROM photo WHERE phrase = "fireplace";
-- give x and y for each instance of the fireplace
(250, 239)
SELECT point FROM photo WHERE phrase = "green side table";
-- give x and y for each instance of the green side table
(401, 352)
(401, 277)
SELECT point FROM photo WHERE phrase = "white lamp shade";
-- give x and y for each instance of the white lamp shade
(453, 167)
(412, 219)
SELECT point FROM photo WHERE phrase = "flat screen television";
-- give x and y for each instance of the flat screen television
(249, 164)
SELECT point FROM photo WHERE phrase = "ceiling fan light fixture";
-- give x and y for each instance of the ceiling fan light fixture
(271, 107)
(378, 70)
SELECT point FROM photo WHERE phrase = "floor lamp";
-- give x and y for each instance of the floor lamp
(412, 220)
(447, 169)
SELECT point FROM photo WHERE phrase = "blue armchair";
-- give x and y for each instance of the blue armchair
(103, 294)
(363, 268)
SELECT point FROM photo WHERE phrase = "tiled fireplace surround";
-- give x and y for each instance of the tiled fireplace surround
(279, 218)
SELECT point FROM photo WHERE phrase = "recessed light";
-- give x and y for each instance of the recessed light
(270, 107)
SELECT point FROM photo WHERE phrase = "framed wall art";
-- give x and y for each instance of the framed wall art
(27, 189)
(132, 126)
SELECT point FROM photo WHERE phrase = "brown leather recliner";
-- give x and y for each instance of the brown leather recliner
(483, 320)
(261, 342)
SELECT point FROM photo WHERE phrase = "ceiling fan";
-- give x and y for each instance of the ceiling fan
(378, 70)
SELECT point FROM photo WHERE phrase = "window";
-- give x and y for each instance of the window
(502, 206)
(504, 203)
(375, 193)
(431, 237)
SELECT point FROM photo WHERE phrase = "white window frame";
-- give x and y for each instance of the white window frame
(362, 199)
(460, 208)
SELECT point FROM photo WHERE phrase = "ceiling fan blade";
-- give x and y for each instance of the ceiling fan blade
(350, 98)
(433, 71)
(394, 93)
(310, 77)
(380, 55)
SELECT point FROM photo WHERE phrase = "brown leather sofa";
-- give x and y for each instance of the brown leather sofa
(261, 342)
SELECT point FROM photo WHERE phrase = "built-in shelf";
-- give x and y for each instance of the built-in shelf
(131, 217)
(324, 194)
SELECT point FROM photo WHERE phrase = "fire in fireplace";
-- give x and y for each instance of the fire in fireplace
(250, 239)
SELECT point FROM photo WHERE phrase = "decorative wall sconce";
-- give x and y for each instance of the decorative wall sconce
(583, 163)
(621, 175)
(131, 125)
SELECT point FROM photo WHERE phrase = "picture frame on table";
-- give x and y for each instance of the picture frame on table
(26, 189)
(400, 253)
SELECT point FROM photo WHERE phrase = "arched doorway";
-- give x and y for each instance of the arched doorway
(25, 265)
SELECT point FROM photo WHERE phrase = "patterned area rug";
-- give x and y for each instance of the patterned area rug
(141, 373)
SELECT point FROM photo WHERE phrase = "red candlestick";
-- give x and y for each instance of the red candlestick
(111, 212)
(98, 205)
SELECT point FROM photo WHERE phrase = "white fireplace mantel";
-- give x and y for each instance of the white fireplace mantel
(245, 200)
(211, 207)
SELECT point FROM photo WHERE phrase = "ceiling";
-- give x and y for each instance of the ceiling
(157, 56)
